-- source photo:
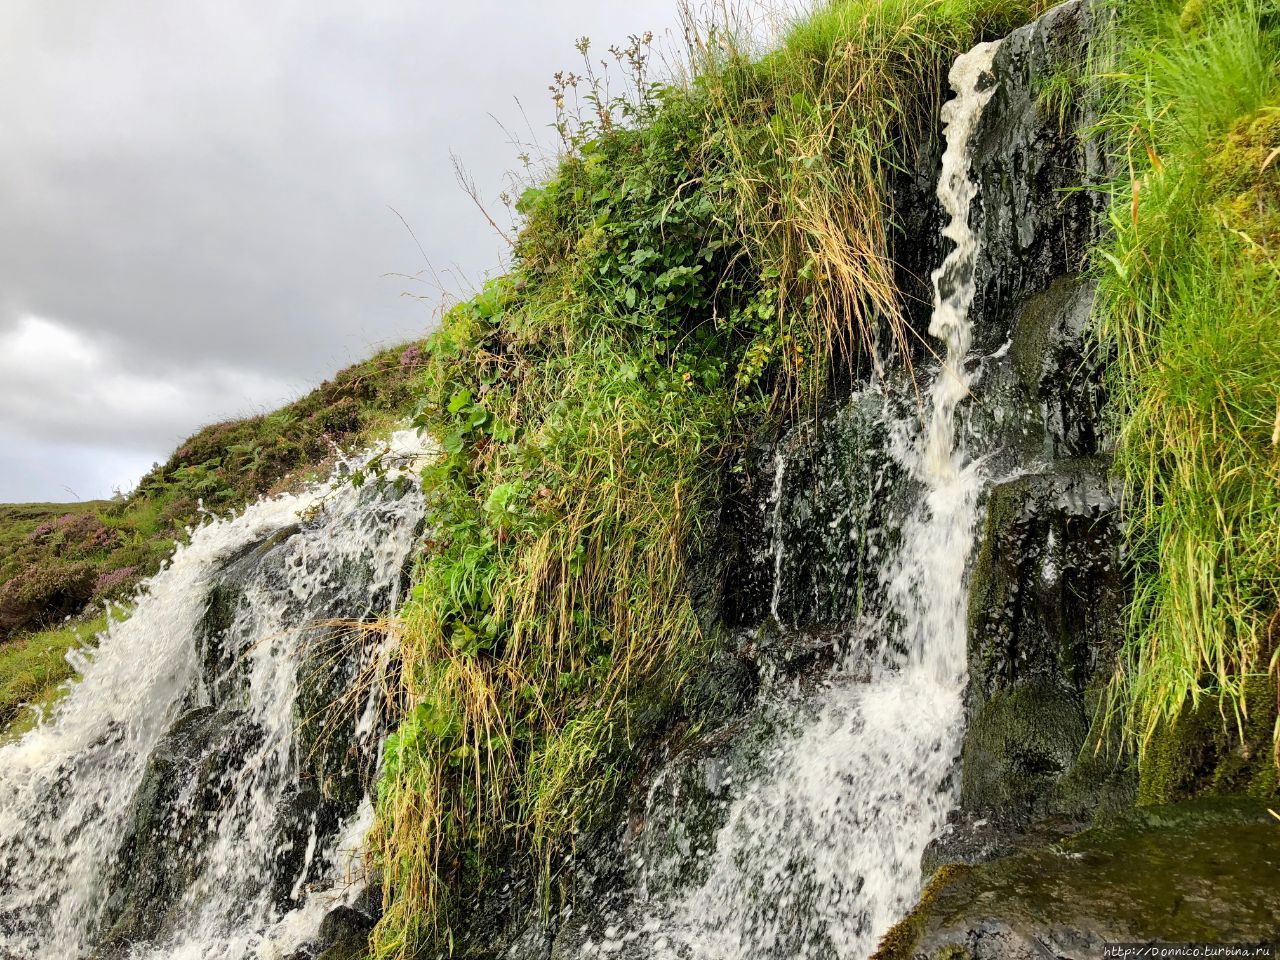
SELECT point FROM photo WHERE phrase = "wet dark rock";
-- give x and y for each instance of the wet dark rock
(344, 935)
(671, 830)
(224, 672)
(1200, 871)
(221, 669)
(1046, 601)
(1049, 584)
(1031, 162)
(1039, 396)
(809, 539)
(1059, 368)
(184, 784)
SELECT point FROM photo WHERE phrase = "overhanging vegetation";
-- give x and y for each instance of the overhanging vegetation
(1190, 305)
(705, 257)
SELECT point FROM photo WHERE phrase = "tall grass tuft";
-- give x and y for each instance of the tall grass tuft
(1190, 302)
(815, 134)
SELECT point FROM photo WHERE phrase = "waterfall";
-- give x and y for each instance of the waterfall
(820, 853)
(777, 542)
(195, 795)
(202, 792)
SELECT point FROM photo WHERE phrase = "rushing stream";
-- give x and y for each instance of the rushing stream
(186, 795)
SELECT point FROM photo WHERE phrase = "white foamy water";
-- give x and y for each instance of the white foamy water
(821, 854)
(69, 787)
(777, 543)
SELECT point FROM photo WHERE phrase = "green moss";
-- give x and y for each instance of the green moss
(1244, 177)
(1200, 871)
(1191, 19)
(993, 579)
(1020, 743)
(1033, 332)
(1242, 160)
(1207, 750)
(902, 939)
(1101, 783)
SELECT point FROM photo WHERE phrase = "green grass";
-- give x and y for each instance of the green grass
(703, 258)
(815, 133)
(34, 666)
(1190, 303)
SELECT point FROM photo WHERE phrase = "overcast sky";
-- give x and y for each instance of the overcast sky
(196, 201)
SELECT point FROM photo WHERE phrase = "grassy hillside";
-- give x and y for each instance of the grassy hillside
(34, 665)
(62, 561)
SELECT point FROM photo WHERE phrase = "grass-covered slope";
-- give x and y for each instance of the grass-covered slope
(58, 561)
(34, 665)
(704, 259)
(1190, 304)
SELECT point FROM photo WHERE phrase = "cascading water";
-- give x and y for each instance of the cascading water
(820, 853)
(777, 543)
(185, 798)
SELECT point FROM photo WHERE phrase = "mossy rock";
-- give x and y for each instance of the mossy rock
(1057, 371)
(900, 942)
(1047, 591)
(1020, 743)
(1040, 750)
(1045, 621)
(1200, 871)
(1207, 750)
(1244, 177)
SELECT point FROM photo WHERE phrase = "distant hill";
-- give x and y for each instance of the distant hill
(60, 561)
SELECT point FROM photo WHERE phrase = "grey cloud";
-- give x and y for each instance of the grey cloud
(60, 385)
(207, 186)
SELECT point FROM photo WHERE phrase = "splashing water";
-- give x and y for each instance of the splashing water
(821, 854)
(777, 542)
(953, 282)
(78, 794)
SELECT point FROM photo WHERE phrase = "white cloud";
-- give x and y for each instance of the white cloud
(45, 469)
(71, 395)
